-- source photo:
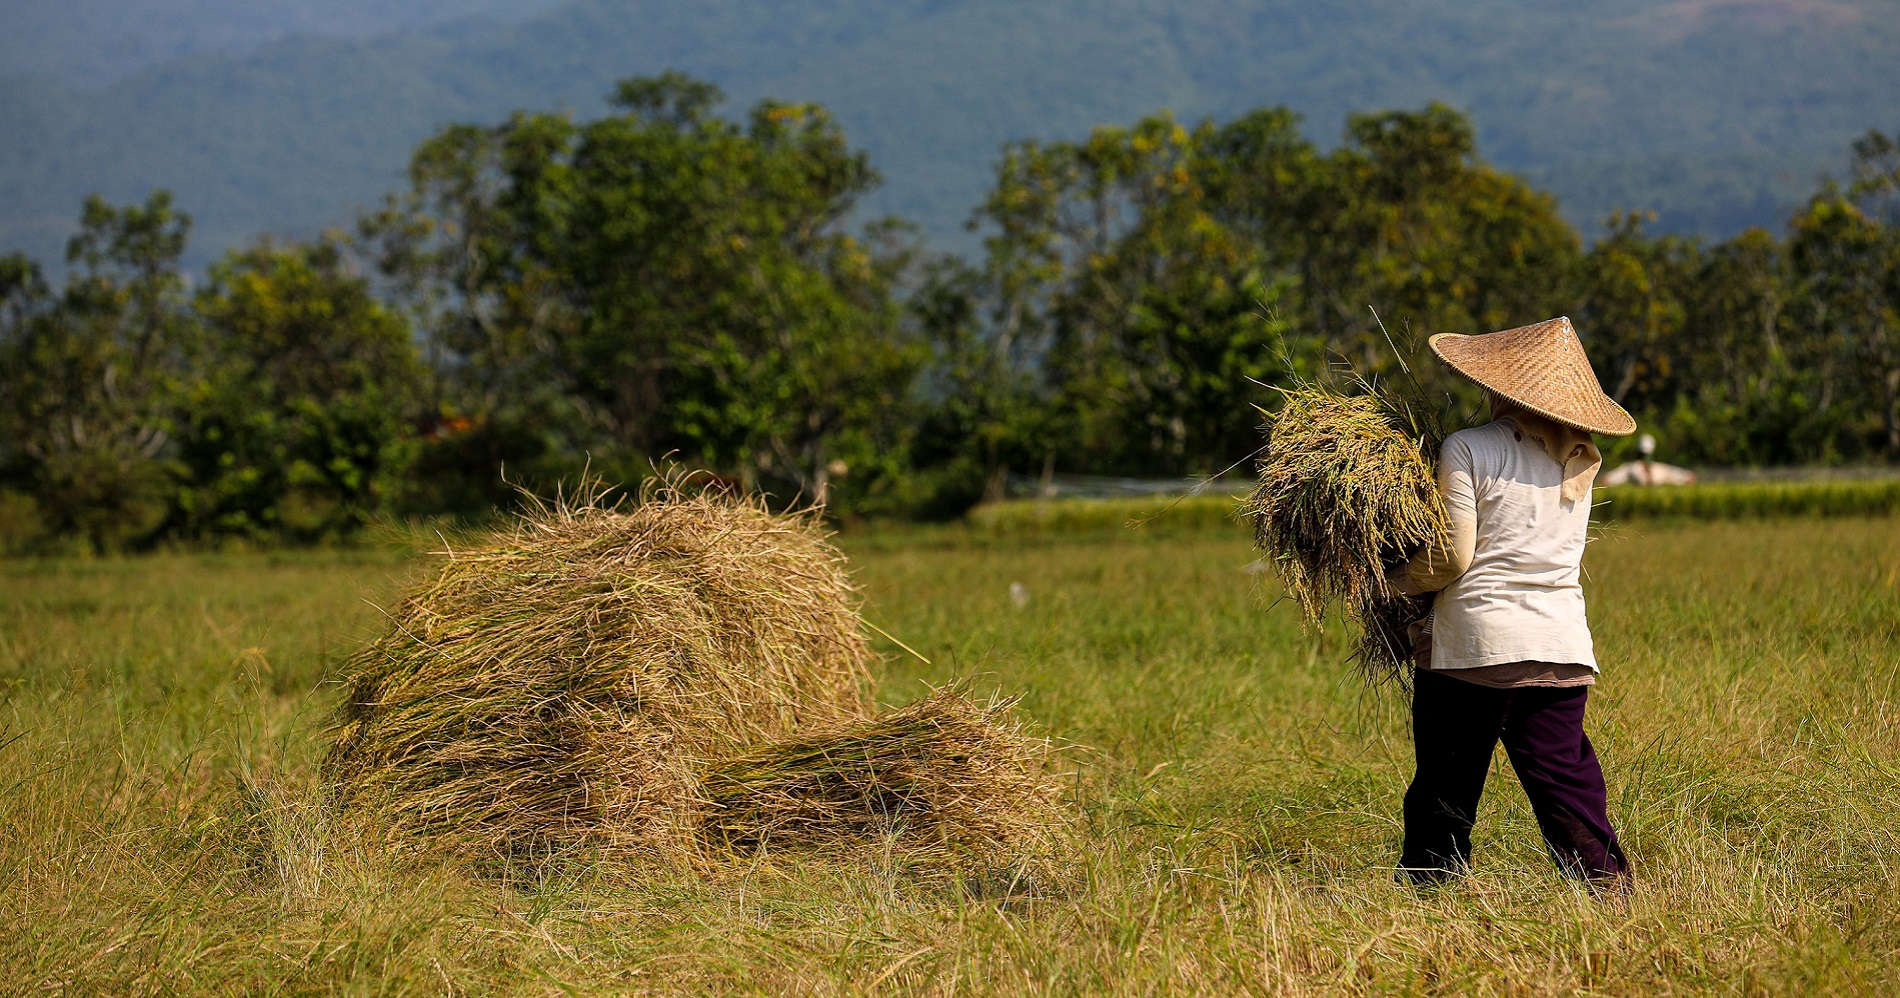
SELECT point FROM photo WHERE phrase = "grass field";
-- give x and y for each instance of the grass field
(1237, 791)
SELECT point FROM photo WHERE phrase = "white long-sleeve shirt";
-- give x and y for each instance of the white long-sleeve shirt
(1509, 586)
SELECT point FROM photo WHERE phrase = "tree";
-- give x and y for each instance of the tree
(1405, 218)
(1163, 272)
(451, 258)
(1735, 391)
(1143, 311)
(25, 302)
(983, 408)
(1631, 306)
(1875, 187)
(90, 379)
(681, 282)
(1844, 267)
(301, 402)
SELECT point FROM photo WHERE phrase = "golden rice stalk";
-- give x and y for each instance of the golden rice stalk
(949, 780)
(1347, 490)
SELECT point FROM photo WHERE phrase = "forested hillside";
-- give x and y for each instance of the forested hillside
(90, 43)
(553, 297)
(1716, 113)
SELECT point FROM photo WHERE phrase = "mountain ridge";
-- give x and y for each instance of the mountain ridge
(1717, 113)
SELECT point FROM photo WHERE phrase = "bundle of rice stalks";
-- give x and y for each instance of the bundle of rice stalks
(945, 778)
(1347, 490)
(562, 684)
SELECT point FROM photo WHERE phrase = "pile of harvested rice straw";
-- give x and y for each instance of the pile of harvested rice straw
(944, 771)
(1347, 490)
(672, 678)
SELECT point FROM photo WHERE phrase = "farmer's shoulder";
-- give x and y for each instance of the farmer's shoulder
(1476, 443)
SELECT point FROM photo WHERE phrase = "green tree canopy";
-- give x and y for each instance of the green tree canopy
(1163, 272)
(302, 396)
(88, 380)
(661, 280)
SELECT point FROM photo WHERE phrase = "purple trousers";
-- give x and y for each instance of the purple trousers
(1455, 727)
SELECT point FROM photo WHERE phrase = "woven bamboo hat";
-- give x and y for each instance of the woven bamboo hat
(1540, 367)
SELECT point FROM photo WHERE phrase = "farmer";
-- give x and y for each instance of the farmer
(1506, 652)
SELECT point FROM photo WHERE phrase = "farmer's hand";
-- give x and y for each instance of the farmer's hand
(1398, 578)
(1420, 631)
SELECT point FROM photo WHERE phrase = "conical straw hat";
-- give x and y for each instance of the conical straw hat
(1540, 367)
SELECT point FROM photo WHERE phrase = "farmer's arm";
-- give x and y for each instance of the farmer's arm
(1442, 561)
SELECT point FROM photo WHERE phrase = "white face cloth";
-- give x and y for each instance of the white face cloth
(1575, 449)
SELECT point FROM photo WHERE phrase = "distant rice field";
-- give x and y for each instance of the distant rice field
(1239, 791)
(1727, 500)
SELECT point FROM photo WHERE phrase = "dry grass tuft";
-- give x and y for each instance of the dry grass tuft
(1347, 490)
(946, 775)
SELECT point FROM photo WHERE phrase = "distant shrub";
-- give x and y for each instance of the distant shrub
(1734, 500)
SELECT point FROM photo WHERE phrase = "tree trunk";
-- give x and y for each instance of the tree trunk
(1625, 383)
(995, 486)
(1827, 384)
(1893, 414)
(820, 477)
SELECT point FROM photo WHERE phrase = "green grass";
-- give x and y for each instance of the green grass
(1238, 793)
(1033, 517)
